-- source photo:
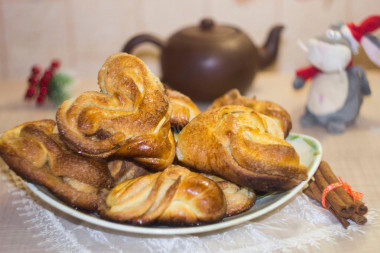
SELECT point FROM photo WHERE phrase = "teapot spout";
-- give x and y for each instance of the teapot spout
(268, 52)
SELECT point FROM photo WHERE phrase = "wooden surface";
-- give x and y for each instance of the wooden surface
(353, 155)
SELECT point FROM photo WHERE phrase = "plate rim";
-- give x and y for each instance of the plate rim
(56, 203)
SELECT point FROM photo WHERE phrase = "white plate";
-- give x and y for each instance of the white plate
(308, 148)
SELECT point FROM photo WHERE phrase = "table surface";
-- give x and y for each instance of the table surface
(353, 155)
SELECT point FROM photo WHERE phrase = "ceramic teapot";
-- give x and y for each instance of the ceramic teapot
(207, 60)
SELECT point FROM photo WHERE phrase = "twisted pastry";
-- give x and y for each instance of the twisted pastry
(183, 109)
(268, 108)
(31, 150)
(122, 170)
(242, 146)
(239, 199)
(129, 117)
(173, 196)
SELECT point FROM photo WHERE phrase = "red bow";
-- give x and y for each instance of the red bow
(355, 195)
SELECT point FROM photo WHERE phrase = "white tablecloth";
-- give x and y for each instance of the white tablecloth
(301, 224)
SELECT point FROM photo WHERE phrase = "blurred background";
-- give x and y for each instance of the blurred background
(82, 34)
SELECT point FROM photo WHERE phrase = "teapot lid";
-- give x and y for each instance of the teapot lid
(207, 30)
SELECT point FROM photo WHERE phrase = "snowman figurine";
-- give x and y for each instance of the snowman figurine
(337, 86)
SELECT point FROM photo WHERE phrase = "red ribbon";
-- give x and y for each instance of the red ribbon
(355, 195)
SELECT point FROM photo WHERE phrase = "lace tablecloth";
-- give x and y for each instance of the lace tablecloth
(300, 225)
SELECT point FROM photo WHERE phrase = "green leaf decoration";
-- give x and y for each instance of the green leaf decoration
(57, 91)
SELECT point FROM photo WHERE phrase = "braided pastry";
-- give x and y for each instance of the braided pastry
(268, 108)
(31, 151)
(242, 146)
(129, 117)
(175, 196)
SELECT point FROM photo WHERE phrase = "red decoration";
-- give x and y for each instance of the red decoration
(33, 81)
(43, 83)
(355, 195)
(310, 71)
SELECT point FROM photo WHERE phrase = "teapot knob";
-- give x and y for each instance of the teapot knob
(207, 24)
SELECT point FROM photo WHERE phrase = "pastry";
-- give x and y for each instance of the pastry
(239, 199)
(242, 146)
(183, 109)
(175, 196)
(122, 170)
(32, 152)
(129, 117)
(268, 108)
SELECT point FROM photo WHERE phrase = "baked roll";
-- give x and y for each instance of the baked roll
(268, 108)
(183, 109)
(238, 198)
(242, 146)
(123, 170)
(175, 196)
(129, 117)
(31, 151)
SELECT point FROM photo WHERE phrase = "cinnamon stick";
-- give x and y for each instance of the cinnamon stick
(316, 191)
(309, 193)
(358, 219)
(342, 220)
(318, 194)
(331, 178)
(341, 208)
(313, 192)
(360, 207)
(337, 201)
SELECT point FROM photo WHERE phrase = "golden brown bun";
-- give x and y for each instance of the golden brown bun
(183, 109)
(31, 152)
(239, 199)
(268, 108)
(129, 117)
(172, 197)
(123, 170)
(242, 146)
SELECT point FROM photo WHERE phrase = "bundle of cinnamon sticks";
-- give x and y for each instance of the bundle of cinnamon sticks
(337, 201)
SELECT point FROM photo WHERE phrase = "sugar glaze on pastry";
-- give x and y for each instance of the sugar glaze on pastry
(268, 108)
(31, 150)
(239, 199)
(183, 109)
(175, 196)
(129, 117)
(242, 146)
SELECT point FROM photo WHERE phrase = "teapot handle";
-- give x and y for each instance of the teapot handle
(142, 38)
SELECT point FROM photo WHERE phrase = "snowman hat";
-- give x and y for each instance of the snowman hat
(359, 35)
